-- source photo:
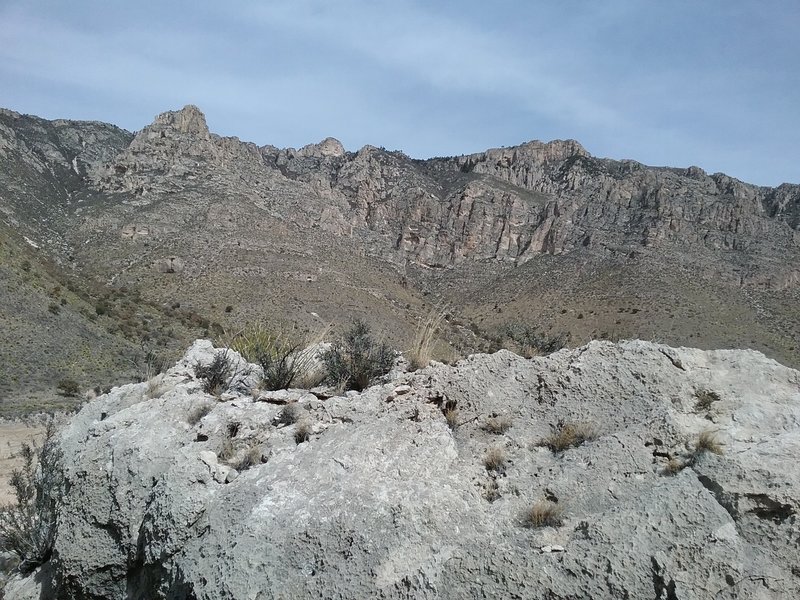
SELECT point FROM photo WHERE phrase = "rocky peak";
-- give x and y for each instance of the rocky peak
(189, 119)
(329, 147)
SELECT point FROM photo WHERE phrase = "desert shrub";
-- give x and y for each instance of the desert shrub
(28, 528)
(568, 435)
(280, 355)
(544, 514)
(674, 466)
(251, 458)
(704, 399)
(68, 387)
(497, 425)
(495, 459)
(198, 412)
(451, 416)
(357, 359)
(531, 342)
(54, 308)
(291, 413)
(707, 441)
(216, 374)
(420, 354)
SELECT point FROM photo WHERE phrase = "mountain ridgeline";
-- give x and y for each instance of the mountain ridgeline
(542, 233)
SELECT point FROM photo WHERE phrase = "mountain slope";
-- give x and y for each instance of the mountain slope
(542, 234)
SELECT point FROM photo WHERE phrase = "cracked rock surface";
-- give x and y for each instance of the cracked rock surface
(386, 500)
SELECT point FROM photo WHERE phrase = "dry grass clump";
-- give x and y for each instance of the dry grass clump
(303, 431)
(704, 399)
(569, 435)
(156, 387)
(707, 441)
(497, 425)
(198, 412)
(420, 354)
(544, 514)
(291, 413)
(495, 459)
(674, 466)
(451, 416)
(252, 457)
(227, 450)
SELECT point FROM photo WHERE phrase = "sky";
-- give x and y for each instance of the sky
(711, 83)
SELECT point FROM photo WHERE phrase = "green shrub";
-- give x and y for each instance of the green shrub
(215, 375)
(357, 359)
(68, 387)
(28, 528)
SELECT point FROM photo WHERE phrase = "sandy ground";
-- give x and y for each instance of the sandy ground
(12, 435)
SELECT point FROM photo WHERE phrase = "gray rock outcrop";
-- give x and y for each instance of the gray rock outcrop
(386, 500)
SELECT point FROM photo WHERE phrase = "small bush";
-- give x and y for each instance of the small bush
(707, 441)
(568, 435)
(291, 413)
(704, 399)
(221, 374)
(544, 514)
(54, 308)
(420, 354)
(497, 425)
(357, 359)
(156, 387)
(451, 416)
(28, 529)
(531, 342)
(68, 387)
(674, 466)
(495, 459)
(252, 457)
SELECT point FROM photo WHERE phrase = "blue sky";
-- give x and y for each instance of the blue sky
(713, 83)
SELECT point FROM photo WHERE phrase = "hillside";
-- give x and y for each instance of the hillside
(542, 235)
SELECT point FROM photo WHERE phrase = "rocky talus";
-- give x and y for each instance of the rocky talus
(387, 497)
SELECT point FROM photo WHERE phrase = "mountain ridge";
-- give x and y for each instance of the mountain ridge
(540, 233)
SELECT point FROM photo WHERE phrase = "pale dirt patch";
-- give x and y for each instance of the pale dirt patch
(12, 435)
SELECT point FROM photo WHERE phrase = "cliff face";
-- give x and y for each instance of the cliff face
(507, 204)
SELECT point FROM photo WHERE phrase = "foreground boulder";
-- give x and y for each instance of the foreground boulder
(423, 487)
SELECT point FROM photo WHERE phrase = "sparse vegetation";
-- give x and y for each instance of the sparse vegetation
(282, 358)
(568, 435)
(707, 441)
(497, 425)
(198, 412)
(252, 456)
(451, 416)
(291, 413)
(357, 359)
(156, 387)
(544, 514)
(28, 528)
(216, 374)
(420, 354)
(495, 459)
(674, 466)
(530, 342)
(221, 374)
(68, 387)
(704, 399)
